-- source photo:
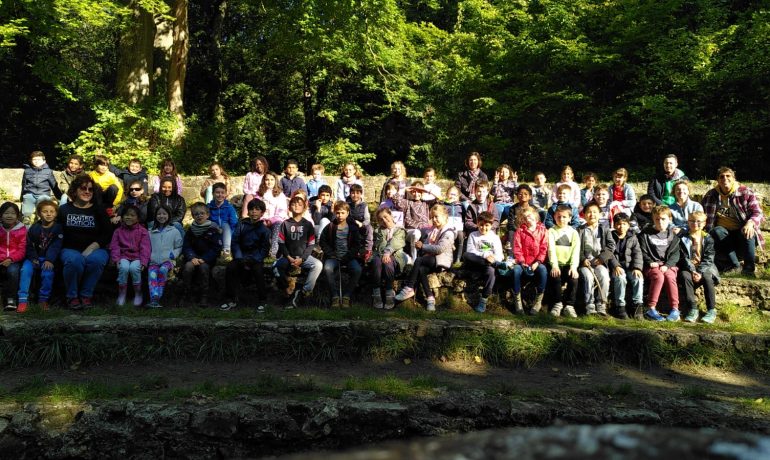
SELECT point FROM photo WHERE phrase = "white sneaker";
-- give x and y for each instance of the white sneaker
(390, 297)
(569, 310)
(405, 293)
(556, 310)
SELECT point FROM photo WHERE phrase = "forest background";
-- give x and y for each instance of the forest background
(535, 84)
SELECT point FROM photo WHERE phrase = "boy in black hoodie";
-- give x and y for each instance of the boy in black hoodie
(135, 172)
(341, 244)
(359, 210)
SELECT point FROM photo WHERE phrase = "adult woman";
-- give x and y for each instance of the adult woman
(168, 196)
(683, 206)
(135, 197)
(466, 180)
(87, 232)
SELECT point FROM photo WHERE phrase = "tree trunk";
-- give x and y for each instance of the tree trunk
(134, 83)
(178, 65)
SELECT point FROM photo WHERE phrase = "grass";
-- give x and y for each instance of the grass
(694, 392)
(619, 390)
(395, 387)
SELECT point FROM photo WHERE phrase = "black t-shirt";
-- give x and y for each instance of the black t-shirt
(296, 238)
(83, 226)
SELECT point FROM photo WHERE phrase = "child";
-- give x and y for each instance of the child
(587, 192)
(683, 207)
(567, 178)
(112, 187)
(467, 179)
(135, 172)
(223, 214)
(359, 210)
(621, 193)
(296, 240)
(455, 220)
(317, 170)
(391, 192)
(130, 249)
(13, 244)
(530, 249)
(166, 243)
(643, 213)
(74, 168)
(523, 203)
(216, 174)
(541, 193)
(596, 260)
(432, 192)
(202, 244)
(563, 258)
(416, 215)
(137, 198)
(251, 244)
(253, 180)
(398, 177)
(340, 243)
(322, 212)
(37, 184)
(562, 199)
(167, 168)
(483, 202)
(436, 255)
(504, 189)
(44, 240)
(276, 207)
(606, 212)
(696, 268)
(291, 181)
(628, 270)
(348, 176)
(484, 252)
(388, 258)
(660, 251)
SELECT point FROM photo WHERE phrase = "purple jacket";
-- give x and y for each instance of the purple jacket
(131, 243)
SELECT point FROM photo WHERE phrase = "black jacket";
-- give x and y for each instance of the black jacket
(329, 245)
(672, 251)
(631, 258)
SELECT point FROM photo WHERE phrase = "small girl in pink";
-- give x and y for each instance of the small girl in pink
(277, 207)
(252, 181)
(130, 251)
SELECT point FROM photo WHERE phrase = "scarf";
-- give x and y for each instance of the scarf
(200, 229)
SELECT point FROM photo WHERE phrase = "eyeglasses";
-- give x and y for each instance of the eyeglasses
(199, 213)
(135, 189)
(85, 188)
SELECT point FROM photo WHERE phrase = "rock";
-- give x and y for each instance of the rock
(214, 422)
(640, 416)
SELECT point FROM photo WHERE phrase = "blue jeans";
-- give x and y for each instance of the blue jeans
(503, 209)
(28, 270)
(82, 273)
(728, 242)
(29, 201)
(354, 270)
(540, 275)
(311, 264)
(129, 267)
(11, 278)
(227, 236)
(619, 284)
(209, 194)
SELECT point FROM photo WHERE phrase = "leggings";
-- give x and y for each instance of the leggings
(157, 275)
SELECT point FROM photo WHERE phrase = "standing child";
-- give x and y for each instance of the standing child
(596, 260)
(568, 178)
(74, 168)
(202, 244)
(562, 199)
(130, 249)
(696, 268)
(621, 193)
(253, 180)
(251, 244)
(437, 251)
(44, 240)
(388, 258)
(348, 176)
(563, 258)
(13, 244)
(223, 214)
(504, 190)
(530, 249)
(456, 220)
(485, 251)
(397, 177)
(296, 240)
(276, 207)
(416, 215)
(587, 192)
(432, 192)
(111, 186)
(660, 250)
(166, 243)
(291, 181)
(166, 168)
(312, 186)
(216, 174)
(37, 184)
(340, 242)
(135, 172)
(628, 271)
(321, 209)
(483, 202)
(541, 193)
(359, 210)
(391, 192)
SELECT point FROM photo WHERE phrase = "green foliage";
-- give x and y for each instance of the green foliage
(334, 155)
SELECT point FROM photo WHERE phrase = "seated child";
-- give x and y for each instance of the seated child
(596, 260)
(130, 250)
(250, 246)
(436, 254)
(223, 214)
(350, 175)
(606, 212)
(622, 194)
(317, 171)
(563, 259)
(541, 193)
(587, 192)
(291, 181)
(74, 168)
(135, 197)
(112, 187)
(44, 241)
(391, 191)
(166, 243)
(696, 268)
(432, 191)
(321, 209)
(259, 167)
(166, 168)
(135, 172)
(398, 177)
(388, 258)
(456, 220)
(13, 245)
(341, 244)
(216, 174)
(643, 213)
(359, 210)
(296, 240)
(530, 250)
(504, 190)
(416, 215)
(483, 202)
(562, 199)
(201, 247)
(37, 184)
(523, 203)
(276, 207)
(660, 251)
(484, 252)
(628, 270)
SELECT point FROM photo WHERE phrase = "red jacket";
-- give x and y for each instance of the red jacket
(13, 242)
(529, 247)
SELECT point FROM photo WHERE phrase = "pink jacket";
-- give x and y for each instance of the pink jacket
(131, 243)
(277, 207)
(13, 242)
(529, 247)
(251, 183)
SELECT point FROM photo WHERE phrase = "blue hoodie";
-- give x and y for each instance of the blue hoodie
(224, 214)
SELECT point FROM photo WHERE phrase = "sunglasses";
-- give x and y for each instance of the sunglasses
(85, 188)
(135, 189)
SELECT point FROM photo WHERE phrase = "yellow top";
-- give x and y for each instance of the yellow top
(107, 179)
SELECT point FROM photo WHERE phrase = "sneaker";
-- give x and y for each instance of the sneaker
(482, 306)
(390, 299)
(601, 309)
(87, 302)
(10, 305)
(622, 313)
(710, 316)
(673, 316)
(228, 306)
(74, 304)
(653, 315)
(569, 310)
(639, 312)
(692, 315)
(227, 257)
(377, 300)
(405, 293)
(431, 304)
(260, 307)
(298, 298)
(336, 302)
(22, 307)
(154, 304)
(556, 310)
(345, 302)
(590, 309)
(748, 273)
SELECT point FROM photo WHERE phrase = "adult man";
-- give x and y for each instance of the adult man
(733, 216)
(661, 186)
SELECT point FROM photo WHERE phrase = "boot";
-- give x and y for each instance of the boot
(138, 295)
(122, 291)
(538, 304)
(518, 308)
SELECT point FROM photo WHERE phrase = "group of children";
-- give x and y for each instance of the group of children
(597, 238)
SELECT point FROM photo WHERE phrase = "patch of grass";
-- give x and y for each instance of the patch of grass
(574, 349)
(393, 386)
(736, 318)
(761, 405)
(526, 347)
(694, 392)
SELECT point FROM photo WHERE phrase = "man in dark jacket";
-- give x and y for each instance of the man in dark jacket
(661, 186)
